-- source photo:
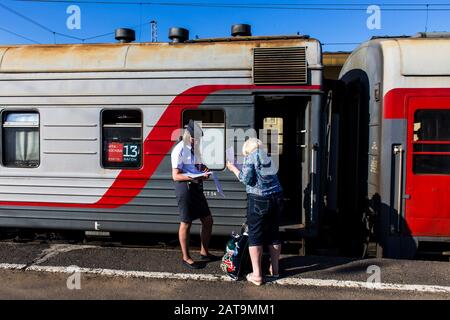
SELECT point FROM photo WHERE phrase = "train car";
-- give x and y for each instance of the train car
(332, 64)
(87, 129)
(393, 160)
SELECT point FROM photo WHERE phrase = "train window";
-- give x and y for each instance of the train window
(20, 132)
(432, 125)
(212, 146)
(431, 164)
(273, 135)
(431, 142)
(122, 139)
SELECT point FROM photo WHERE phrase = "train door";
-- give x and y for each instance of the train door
(350, 115)
(286, 115)
(428, 167)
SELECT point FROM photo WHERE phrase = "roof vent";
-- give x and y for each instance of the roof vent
(124, 35)
(178, 35)
(280, 65)
(241, 30)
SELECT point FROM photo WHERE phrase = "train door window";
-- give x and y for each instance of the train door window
(273, 135)
(20, 132)
(431, 142)
(122, 139)
(212, 146)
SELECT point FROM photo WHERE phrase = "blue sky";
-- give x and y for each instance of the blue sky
(327, 26)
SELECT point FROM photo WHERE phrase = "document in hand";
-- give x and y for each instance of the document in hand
(196, 175)
(230, 154)
(231, 158)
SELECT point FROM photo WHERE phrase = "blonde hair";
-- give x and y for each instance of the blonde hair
(186, 137)
(187, 142)
(251, 145)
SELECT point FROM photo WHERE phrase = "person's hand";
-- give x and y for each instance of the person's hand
(233, 168)
(230, 166)
(205, 176)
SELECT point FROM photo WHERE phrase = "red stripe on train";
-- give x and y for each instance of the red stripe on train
(396, 100)
(129, 183)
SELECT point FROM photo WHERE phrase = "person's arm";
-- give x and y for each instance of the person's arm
(248, 173)
(233, 169)
(177, 163)
(178, 176)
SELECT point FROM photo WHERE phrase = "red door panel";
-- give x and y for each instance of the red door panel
(428, 167)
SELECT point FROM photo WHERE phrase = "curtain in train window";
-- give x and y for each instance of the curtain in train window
(431, 142)
(212, 145)
(273, 135)
(122, 139)
(20, 139)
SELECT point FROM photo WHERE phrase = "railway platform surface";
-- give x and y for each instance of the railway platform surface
(40, 270)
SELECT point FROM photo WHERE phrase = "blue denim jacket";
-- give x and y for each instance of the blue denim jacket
(259, 174)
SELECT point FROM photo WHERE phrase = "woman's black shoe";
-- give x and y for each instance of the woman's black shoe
(193, 265)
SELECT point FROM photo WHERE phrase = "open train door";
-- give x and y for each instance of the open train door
(427, 190)
(288, 115)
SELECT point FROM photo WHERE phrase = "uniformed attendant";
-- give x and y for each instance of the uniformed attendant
(192, 203)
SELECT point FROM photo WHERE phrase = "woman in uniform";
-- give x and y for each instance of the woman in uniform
(192, 203)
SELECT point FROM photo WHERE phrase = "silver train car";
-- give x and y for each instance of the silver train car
(389, 182)
(87, 130)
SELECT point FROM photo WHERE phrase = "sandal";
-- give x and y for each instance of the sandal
(249, 278)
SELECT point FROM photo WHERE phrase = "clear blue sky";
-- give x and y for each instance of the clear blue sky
(327, 26)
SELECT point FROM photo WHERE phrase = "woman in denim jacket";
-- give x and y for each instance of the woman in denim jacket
(265, 201)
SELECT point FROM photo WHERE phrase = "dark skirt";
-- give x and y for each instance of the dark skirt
(192, 203)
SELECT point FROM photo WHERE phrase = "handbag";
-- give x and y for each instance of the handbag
(236, 259)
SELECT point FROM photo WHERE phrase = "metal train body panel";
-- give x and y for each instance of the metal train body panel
(70, 85)
(402, 77)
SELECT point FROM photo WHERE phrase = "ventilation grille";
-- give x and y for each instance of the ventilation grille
(280, 65)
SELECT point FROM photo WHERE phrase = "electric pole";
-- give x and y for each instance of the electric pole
(154, 31)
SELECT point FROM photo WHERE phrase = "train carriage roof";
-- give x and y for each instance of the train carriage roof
(193, 55)
(424, 57)
(418, 61)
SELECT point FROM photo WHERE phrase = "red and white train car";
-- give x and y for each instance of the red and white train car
(395, 140)
(87, 130)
